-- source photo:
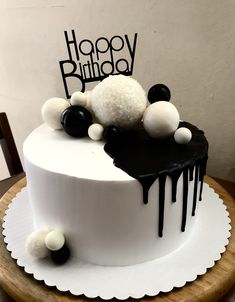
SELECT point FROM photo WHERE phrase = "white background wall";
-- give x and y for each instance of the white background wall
(187, 44)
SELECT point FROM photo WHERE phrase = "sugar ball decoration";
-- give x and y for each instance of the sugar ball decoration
(119, 101)
(110, 133)
(159, 92)
(183, 136)
(95, 132)
(35, 244)
(161, 119)
(78, 98)
(54, 240)
(60, 256)
(52, 110)
(76, 121)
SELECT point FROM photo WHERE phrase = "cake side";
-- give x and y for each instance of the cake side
(105, 221)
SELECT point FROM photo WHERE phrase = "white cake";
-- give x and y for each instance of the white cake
(73, 185)
(107, 216)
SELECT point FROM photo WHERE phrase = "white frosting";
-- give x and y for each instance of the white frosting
(74, 186)
(58, 152)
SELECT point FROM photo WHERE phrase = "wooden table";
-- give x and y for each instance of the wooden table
(207, 288)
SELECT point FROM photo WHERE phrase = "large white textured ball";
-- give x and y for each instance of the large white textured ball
(35, 244)
(78, 98)
(52, 110)
(119, 101)
(161, 119)
(183, 136)
(54, 240)
(95, 132)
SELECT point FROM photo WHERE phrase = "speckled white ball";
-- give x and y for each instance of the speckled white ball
(54, 240)
(78, 98)
(161, 119)
(95, 132)
(119, 101)
(52, 110)
(183, 136)
(35, 244)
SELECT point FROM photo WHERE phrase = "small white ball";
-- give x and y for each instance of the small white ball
(88, 99)
(54, 240)
(78, 98)
(52, 110)
(119, 101)
(35, 244)
(161, 119)
(183, 136)
(95, 132)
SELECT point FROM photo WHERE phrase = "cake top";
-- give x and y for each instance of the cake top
(60, 153)
(116, 104)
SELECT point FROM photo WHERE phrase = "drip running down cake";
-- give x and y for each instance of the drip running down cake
(114, 176)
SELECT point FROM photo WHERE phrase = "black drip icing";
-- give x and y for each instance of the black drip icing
(162, 181)
(148, 159)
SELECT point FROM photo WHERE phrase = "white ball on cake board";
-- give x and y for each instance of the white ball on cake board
(35, 244)
(54, 240)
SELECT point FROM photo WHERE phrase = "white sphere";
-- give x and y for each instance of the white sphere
(35, 244)
(88, 99)
(78, 98)
(119, 101)
(52, 110)
(161, 119)
(183, 136)
(54, 240)
(95, 132)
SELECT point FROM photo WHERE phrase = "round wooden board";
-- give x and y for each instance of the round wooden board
(207, 288)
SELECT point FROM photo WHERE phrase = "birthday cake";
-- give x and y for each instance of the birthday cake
(114, 176)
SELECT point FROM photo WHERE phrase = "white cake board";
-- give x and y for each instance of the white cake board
(200, 251)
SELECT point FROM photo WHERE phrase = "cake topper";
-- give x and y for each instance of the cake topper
(91, 61)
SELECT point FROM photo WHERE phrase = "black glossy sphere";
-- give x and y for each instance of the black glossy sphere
(159, 92)
(110, 133)
(60, 256)
(76, 121)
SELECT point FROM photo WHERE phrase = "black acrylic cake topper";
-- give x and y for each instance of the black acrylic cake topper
(86, 62)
